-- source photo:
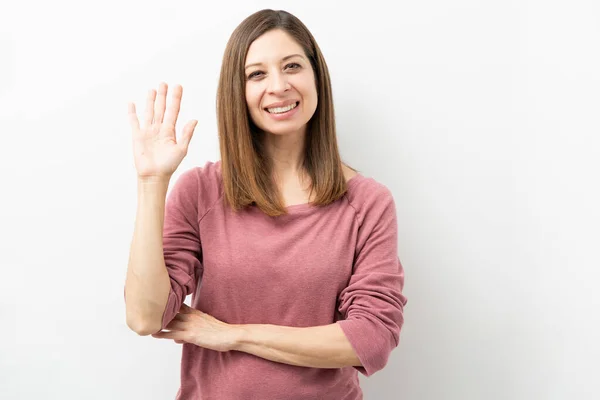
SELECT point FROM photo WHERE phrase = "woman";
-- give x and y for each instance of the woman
(289, 255)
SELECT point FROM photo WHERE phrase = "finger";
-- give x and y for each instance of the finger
(133, 119)
(181, 316)
(187, 311)
(161, 335)
(188, 132)
(159, 106)
(176, 335)
(175, 325)
(149, 116)
(171, 116)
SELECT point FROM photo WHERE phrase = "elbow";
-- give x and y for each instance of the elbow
(141, 327)
(372, 343)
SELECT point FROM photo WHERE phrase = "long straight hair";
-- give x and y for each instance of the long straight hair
(245, 167)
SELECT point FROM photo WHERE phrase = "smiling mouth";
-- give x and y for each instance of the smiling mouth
(282, 110)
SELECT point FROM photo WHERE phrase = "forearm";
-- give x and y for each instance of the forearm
(147, 284)
(318, 347)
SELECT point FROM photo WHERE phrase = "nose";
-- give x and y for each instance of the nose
(277, 83)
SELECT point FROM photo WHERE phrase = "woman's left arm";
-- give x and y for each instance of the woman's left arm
(323, 346)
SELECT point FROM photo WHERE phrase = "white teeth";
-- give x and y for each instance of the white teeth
(279, 110)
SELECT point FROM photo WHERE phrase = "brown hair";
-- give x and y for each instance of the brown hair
(245, 167)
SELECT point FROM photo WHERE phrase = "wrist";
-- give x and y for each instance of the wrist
(241, 336)
(152, 183)
(150, 179)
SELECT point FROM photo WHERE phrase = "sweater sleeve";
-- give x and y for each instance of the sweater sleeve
(182, 249)
(372, 304)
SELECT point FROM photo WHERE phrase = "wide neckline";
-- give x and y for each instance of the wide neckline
(304, 206)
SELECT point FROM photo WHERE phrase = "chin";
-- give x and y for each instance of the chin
(281, 131)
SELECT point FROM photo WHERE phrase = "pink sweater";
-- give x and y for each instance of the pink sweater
(314, 266)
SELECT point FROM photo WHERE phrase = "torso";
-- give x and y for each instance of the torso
(289, 271)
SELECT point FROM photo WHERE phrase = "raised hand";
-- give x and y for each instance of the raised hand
(156, 150)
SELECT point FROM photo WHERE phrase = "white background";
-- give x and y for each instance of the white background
(480, 116)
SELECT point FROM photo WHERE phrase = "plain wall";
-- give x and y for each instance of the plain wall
(480, 116)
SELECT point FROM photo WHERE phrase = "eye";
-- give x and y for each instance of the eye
(255, 73)
(295, 65)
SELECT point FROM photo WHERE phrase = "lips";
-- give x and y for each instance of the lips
(283, 116)
(281, 104)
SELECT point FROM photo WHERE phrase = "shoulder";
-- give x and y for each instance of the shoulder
(197, 188)
(369, 197)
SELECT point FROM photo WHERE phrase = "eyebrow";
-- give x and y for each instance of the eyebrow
(283, 59)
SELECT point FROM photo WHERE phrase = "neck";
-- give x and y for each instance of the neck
(287, 155)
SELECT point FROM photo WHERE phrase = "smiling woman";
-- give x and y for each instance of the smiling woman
(290, 256)
(280, 90)
(274, 63)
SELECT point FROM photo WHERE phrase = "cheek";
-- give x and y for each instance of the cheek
(249, 97)
(309, 95)
(252, 98)
(307, 88)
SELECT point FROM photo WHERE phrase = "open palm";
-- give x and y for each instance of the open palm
(156, 150)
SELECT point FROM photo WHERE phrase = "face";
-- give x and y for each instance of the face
(281, 93)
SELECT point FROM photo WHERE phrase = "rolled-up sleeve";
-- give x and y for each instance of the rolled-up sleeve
(372, 304)
(182, 249)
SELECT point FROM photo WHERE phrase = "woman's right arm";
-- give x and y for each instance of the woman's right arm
(157, 154)
(147, 284)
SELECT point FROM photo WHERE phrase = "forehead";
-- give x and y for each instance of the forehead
(272, 46)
